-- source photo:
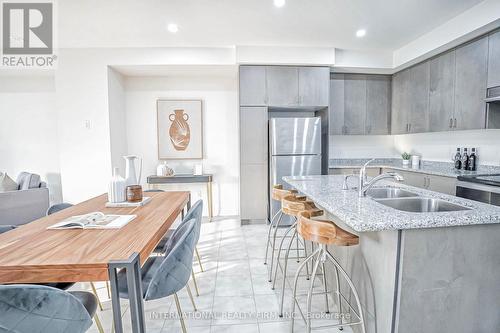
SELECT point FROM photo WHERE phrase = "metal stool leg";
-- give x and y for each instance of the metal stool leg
(284, 272)
(326, 287)
(274, 244)
(294, 296)
(311, 289)
(351, 286)
(269, 234)
(339, 300)
(292, 227)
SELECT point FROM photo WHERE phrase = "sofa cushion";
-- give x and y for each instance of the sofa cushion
(28, 180)
(6, 183)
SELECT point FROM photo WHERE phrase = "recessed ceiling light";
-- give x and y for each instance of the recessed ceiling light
(279, 3)
(172, 27)
(360, 33)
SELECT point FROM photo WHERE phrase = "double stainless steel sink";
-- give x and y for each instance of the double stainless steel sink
(410, 202)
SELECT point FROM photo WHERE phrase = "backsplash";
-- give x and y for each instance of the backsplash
(439, 146)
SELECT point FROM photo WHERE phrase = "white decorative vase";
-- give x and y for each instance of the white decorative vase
(117, 188)
(406, 163)
(163, 170)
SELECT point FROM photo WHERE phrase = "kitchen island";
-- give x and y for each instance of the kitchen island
(416, 271)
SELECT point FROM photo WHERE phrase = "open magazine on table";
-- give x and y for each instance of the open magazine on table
(95, 220)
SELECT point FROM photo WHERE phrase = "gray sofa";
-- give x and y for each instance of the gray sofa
(28, 203)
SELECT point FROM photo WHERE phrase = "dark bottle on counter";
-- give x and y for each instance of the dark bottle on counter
(473, 160)
(458, 159)
(465, 160)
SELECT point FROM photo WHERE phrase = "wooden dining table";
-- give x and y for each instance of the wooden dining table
(34, 254)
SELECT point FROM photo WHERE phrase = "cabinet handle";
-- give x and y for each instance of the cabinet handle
(409, 128)
(455, 123)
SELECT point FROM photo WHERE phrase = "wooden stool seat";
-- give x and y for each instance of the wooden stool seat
(323, 232)
(279, 193)
(292, 205)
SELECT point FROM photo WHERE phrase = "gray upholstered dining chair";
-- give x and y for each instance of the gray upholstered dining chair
(164, 276)
(52, 210)
(5, 228)
(42, 309)
(195, 212)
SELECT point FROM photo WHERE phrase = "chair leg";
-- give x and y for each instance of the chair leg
(274, 246)
(108, 289)
(94, 290)
(326, 287)
(269, 235)
(191, 297)
(295, 280)
(283, 284)
(179, 311)
(195, 284)
(98, 323)
(311, 289)
(199, 258)
(292, 227)
(351, 286)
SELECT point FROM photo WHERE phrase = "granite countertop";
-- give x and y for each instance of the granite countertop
(445, 169)
(365, 214)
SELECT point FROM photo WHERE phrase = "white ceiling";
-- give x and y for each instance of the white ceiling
(390, 24)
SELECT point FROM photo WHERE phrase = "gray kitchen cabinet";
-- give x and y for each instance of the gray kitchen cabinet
(253, 191)
(336, 109)
(418, 116)
(378, 107)
(494, 60)
(441, 184)
(400, 102)
(314, 83)
(354, 104)
(282, 85)
(442, 92)
(470, 86)
(253, 135)
(253, 86)
(446, 185)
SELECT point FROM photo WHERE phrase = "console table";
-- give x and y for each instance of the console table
(154, 181)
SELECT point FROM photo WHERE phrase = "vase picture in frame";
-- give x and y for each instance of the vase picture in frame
(180, 129)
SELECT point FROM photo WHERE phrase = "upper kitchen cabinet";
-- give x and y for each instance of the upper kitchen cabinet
(359, 104)
(253, 86)
(494, 60)
(378, 104)
(400, 102)
(442, 92)
(354, 104)
(418, 116)
(282, 85)
(470, 86)
(314, 86)
(336, 108)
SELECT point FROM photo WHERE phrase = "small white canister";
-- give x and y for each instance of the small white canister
(415, 161)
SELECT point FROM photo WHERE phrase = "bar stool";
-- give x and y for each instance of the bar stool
(277, 194)
(292, 205)
(325, 233)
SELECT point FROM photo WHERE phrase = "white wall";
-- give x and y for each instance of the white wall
(220, 130)
(117, 119)
(28, 129)
(441, 146)
(361, 146)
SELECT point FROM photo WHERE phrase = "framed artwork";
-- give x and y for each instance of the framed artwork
(180, 129)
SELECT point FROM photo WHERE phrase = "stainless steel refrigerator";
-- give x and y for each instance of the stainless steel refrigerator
(295, 150)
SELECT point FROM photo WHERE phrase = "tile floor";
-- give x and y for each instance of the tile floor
(235, 295)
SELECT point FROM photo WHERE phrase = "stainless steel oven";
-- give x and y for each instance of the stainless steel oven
(480, 188)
